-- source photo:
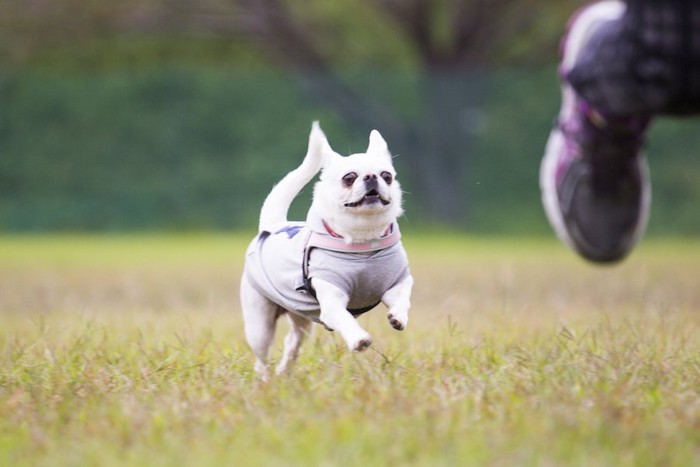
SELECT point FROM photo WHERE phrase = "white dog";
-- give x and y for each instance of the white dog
(345, 259)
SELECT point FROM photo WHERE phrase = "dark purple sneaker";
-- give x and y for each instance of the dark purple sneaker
(594, 177)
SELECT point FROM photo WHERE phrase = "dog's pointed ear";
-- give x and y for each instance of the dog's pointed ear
(377, 145)
(329, 155)
(319, 147)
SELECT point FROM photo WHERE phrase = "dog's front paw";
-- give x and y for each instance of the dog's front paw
(397, 323)
(361, 344)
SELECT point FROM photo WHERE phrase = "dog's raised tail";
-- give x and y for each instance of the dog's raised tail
(276, 205)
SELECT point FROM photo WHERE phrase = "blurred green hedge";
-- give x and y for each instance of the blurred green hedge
(199, 148)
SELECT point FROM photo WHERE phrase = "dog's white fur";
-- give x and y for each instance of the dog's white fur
(348, 213)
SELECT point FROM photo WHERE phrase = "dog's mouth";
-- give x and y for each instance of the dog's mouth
(371, 197)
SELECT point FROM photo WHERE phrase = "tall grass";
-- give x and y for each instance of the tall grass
(130, 351)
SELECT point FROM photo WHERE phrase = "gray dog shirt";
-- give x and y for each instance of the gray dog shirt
(281, 263)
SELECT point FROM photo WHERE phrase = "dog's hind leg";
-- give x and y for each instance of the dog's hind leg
(259, 317)
(299, 328)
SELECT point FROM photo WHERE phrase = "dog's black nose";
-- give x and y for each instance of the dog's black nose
(371, 182)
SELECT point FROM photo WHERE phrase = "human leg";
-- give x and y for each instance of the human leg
(594, 177)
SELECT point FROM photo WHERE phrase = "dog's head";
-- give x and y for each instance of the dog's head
(359, 195)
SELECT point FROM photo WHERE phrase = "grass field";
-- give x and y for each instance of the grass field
(129, 351)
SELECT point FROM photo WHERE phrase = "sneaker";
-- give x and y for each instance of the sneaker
(594, 177)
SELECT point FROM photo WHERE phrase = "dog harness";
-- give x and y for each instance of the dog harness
(281, 263)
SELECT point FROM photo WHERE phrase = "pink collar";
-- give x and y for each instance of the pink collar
(330, 231)
(331, 240)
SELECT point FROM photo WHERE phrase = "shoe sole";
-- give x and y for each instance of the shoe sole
(580, 26)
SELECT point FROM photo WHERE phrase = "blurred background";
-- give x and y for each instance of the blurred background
(181, 114)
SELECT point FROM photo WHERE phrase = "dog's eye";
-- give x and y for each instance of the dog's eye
(349, 179)
(387, 177)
